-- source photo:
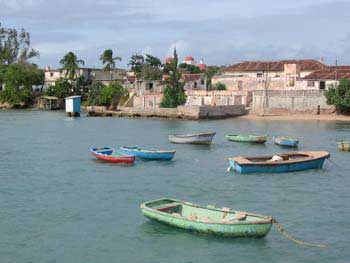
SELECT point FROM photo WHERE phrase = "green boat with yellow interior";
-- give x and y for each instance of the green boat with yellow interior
(246, 138)
(210, 220)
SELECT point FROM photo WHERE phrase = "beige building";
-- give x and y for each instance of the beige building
(255, 75)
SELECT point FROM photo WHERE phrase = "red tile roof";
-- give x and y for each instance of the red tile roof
(202, 67)
(306, 65)
(330, 73)
(189, 58)
(191, 77)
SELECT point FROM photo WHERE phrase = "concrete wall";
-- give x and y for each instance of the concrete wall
(289, 102)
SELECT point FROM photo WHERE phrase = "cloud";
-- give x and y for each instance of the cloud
(221, 32)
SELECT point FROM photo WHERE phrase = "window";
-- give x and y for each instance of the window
(202, 81)
(149, 86)
(311, 83)
(51, 74)
(322, 85)
(259, 75)
(240, 85)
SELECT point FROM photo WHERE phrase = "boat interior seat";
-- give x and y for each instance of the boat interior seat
(168, 207)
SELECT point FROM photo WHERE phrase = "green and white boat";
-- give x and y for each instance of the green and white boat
(246, 138)
(210, 220)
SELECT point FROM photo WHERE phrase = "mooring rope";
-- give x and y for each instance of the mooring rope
(281, 229)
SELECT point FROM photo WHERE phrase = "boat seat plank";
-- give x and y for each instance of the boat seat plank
(167, 206)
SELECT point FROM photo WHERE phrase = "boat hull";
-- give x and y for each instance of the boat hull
(106, 154)
(286, 142)
(148, 154)
(249, 139)
(203, 138)
(243, 229)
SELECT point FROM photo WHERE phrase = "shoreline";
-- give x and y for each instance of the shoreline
(297, 117)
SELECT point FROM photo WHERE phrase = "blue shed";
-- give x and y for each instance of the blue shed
(73, 105)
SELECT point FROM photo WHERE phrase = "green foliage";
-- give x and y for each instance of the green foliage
(174, 94)
(94, 93)
(108, 60)
(62, 88)
(70, 65)
(15, 46)
(210, 72)
(339, 95)
(136, 62)
(219, 86)
(149, 72)
(111, 95)
(19, 79)
(190, 69)
(153, 61)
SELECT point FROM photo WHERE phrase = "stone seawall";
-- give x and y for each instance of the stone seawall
(181, 112)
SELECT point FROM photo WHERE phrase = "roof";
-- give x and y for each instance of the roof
(189, 58)
(73, 97)
(48, 98)
(202, 66)
(168, 60)
(305, 64)
(107, 76)
(330, 73)
(191, 77)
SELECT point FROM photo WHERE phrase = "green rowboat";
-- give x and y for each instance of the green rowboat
(246, 138)
(210, 220)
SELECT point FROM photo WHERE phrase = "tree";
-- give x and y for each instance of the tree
(19, 79)
(209, 73)
(190, 69)
(111, 95)
(94, 93)
(109, 61)
(136, 62)
(339, 95)
(15, 47)
(219, 86)
(153, 61)
(149, 72)
(174, 94)
(70, 65)
(62, 88)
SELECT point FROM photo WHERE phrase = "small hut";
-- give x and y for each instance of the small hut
(73, 106)
(48, 103)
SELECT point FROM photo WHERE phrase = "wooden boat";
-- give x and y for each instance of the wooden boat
(210, 220)
(285, 162)
(148, 154)
(108, 154)
(286, 141)
(246, 138)
(344, 146)
(195, 138)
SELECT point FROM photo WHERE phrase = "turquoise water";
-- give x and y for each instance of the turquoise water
(58, 204)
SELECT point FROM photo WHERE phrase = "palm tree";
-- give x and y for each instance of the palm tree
(70, 64)
(108, 60)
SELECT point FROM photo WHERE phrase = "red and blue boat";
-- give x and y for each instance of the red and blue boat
(109, 154)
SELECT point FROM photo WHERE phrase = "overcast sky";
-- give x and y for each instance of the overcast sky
(221, 32)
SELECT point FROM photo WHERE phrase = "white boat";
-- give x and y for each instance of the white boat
(195, 138)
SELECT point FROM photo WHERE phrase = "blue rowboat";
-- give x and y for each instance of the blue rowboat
(148, 154)
(286, 141)
(280, 163)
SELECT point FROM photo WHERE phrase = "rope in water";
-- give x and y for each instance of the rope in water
(281, 229)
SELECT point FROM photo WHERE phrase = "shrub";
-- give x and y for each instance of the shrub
(339, 95)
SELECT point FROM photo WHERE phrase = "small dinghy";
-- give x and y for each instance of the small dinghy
(195, 138)
(344, 146)
(148, 154)
(210, 220)
(280, 163)
(108, 154)
(286, 141)
(246, 138)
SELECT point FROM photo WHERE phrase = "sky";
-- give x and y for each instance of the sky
(220, 32)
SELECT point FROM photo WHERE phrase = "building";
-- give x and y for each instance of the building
(323, 78)
(194, 81)
(106, 77)
(255, 75)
